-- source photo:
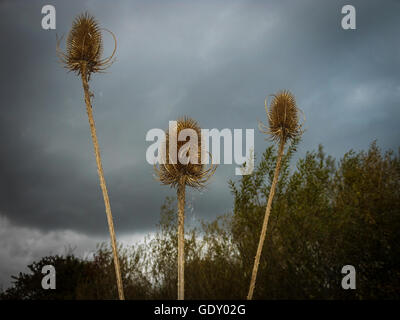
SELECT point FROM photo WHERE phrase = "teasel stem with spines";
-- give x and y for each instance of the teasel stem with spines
(181, 239)
(84, 47)
(179, 175)
(283, 125)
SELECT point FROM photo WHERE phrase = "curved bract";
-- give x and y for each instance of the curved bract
(85, 46)
(194, 173)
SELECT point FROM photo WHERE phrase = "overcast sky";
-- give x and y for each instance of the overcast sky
(212, 60)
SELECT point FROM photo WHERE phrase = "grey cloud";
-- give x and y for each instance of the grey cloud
(23, 245)
(214, 61)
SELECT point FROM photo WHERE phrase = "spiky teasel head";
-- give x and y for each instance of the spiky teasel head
(283, 117)
(85, 47)
(171, 170)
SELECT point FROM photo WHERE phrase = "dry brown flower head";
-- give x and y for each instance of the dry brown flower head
(283, 119)
(85, 47)
(194, 173)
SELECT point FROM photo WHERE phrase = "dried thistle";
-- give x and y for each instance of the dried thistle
(193, 174)
(85, 47)
(283, 125)
(180, 175)
(283, 117)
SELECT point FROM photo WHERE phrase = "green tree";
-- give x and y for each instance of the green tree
(326, 217)
(69, 270)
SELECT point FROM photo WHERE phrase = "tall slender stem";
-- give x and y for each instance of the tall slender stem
(265, 223)
(181, 240)
(102, 182)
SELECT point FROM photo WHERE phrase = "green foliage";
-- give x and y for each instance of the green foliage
(325, 215)
(28, 285)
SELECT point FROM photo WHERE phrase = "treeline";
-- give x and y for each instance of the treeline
(325, 215)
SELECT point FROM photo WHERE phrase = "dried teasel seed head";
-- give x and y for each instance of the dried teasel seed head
(85, 47)
(172, 171)
(283, 118)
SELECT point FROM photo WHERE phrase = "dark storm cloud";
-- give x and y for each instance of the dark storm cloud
(214, 61)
